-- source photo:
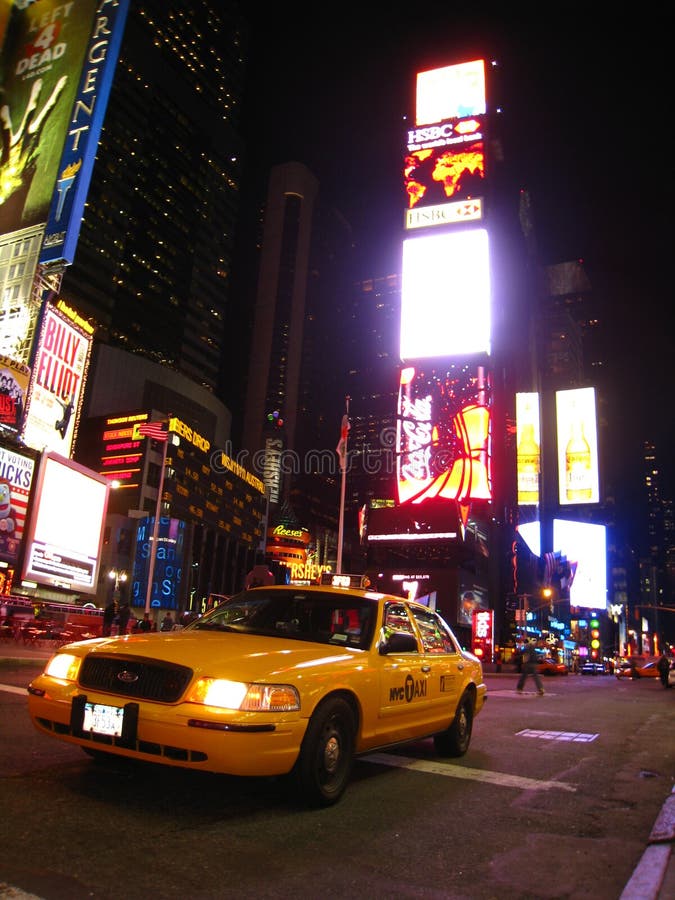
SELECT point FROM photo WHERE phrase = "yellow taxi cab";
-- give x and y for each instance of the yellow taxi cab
(276, 680)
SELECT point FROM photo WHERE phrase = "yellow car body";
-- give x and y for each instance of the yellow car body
(275, 680)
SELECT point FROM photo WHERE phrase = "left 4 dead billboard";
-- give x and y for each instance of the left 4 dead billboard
(42, 57)
(57, 62)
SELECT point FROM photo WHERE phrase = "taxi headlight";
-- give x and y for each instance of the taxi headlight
(64, 666)
(245, 697)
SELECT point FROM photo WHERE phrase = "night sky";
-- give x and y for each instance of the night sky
(586, 121)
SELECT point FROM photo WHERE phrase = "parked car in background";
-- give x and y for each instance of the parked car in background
(277, 680)
(594, 668)
(642, 669)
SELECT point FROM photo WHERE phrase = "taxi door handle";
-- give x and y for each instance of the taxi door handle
(426, 668)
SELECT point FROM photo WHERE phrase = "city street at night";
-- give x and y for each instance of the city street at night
(556, 798)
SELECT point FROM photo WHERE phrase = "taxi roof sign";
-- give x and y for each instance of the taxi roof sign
(345, 581)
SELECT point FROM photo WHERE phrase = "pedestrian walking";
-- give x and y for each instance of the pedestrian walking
(663, 665)
(530, 668)
(123, 617)
(109, 618)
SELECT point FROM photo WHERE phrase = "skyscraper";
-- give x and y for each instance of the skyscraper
(154, 258)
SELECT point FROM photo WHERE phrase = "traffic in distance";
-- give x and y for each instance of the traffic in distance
(276, 680)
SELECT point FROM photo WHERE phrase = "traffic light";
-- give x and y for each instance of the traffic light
(594, 626)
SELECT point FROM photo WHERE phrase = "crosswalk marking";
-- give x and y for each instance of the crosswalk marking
(451, 771)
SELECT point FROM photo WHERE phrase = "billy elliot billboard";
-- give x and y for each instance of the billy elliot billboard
(58, 375)
(40, 66)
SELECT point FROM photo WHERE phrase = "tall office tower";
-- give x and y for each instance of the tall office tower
(154, 258)
(271, 415)
(653, 503)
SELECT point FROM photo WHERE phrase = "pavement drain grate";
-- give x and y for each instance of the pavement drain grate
(574, 736)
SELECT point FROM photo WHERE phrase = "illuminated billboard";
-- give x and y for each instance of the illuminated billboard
(577, 446)
(40, 67)
(444, 434)
(482, 634)
(16, 479)
(446, 295)
(56, 389)
(440, 174)
(585, 547)
(168, 572)
(65, 532)
(451, 92)
(13, 390)
(528, 444)
(79, 153)
(456, 213)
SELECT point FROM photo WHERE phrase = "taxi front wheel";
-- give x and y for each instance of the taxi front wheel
(454, 741)
(326, 757)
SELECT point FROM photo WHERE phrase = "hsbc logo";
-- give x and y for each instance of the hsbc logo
(433, 133)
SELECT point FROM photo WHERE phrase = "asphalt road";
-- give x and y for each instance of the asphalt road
(556, 798)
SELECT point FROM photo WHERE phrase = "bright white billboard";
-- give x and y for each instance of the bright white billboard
(63, 543)
(445, 295)
(451, 92)
(585, 547)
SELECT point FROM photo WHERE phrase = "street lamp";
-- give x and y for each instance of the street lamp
(117, 575)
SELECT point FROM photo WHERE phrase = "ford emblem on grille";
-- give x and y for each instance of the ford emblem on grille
(127, 677)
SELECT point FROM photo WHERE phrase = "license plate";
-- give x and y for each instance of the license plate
(102, 719)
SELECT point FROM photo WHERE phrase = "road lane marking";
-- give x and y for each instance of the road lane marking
(452, 771)
(12, 689)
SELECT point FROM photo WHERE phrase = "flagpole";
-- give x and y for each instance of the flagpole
(343, 467)
(155, 528)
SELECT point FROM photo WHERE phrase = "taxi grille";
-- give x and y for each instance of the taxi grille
(136, 678)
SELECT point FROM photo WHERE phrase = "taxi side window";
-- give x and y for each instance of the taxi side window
(435, 635)
(396, 618)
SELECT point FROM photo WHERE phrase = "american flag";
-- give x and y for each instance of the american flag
(158, 431)
(341, 448)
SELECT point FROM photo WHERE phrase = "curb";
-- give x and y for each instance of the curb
(657, 864)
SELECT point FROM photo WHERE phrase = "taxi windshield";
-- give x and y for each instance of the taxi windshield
(325, 617)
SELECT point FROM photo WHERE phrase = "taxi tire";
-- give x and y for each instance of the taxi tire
(326, 759)
(455, 740)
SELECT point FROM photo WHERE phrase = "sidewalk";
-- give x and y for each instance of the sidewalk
(654, 875)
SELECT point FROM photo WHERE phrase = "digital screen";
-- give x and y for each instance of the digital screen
(446, 295)
(169, 565)
(65, 533)
(440, 174)
(444, 434)
(577, 446)
(528, 448)
(585, 547)
(451, 92)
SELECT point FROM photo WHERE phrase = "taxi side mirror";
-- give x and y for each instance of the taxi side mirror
(399, 642)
